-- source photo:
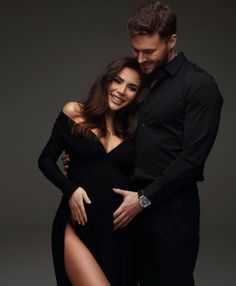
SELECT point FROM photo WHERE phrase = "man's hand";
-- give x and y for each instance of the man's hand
(65, 162)
(129, 208)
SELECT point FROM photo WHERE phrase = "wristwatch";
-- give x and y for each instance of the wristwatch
(143, 200)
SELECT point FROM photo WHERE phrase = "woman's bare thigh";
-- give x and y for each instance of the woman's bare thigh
(81, 267)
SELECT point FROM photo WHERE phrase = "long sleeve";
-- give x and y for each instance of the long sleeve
(202, 116)
(47, 161)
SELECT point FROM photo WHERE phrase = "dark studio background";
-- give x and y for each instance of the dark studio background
(51, 51)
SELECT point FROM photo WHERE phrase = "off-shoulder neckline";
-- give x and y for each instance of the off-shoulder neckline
(94, 135)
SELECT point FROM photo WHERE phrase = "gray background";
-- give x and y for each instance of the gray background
(51, 51)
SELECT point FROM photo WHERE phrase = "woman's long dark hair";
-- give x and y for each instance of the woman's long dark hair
(95, 106)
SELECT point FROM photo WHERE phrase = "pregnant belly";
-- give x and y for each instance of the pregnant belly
(98, 180)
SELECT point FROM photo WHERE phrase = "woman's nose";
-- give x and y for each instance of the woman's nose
(121, 89)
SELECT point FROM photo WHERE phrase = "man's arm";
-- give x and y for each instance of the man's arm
(202, 118)
(203, 109)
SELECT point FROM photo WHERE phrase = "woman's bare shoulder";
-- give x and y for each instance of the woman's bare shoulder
(73, 110)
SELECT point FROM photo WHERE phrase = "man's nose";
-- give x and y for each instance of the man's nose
(141, 58)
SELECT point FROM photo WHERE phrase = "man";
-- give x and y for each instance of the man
(178, 123)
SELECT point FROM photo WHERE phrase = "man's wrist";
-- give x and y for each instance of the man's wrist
(143, 199)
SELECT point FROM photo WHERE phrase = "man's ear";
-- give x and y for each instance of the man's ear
(172, 42)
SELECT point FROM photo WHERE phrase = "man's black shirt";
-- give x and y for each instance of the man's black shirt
(178, 123)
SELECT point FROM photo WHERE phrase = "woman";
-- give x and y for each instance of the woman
(97, 135)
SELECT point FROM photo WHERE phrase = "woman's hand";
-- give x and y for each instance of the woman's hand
(76, 203)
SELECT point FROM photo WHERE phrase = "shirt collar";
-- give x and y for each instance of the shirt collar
(172, 66)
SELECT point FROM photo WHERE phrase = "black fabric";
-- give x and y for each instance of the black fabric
(178, 123)
(167, 241)
(97, 171)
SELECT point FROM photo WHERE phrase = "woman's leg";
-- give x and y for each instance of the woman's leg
(81, 267)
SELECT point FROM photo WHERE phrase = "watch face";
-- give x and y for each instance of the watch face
(145, 202)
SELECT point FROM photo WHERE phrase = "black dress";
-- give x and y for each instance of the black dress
(97, 171)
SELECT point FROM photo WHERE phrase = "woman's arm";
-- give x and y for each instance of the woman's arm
(47, 161)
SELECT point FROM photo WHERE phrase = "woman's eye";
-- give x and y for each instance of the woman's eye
(132, 88)
(117, 80)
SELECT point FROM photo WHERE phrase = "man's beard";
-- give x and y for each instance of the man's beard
(161, 64)
(157, 70)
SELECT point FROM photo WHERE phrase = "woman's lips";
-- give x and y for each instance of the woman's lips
(117, 100)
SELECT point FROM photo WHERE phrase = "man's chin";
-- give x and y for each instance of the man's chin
(147, 70)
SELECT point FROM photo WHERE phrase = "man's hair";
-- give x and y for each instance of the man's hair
(152, 18)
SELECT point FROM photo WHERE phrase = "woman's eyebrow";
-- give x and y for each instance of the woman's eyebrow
(130, 83)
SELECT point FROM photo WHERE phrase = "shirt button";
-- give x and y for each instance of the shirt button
(143, 124)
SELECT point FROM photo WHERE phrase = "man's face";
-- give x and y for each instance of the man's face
(151, 51)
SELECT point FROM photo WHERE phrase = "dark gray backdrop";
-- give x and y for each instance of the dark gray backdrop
(51, 51)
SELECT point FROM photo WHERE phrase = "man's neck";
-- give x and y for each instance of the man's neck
(172, 54)
(153, 78)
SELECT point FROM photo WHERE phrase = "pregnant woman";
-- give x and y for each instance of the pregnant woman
(98, 137)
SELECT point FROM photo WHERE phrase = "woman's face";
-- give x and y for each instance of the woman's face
(123, 89)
